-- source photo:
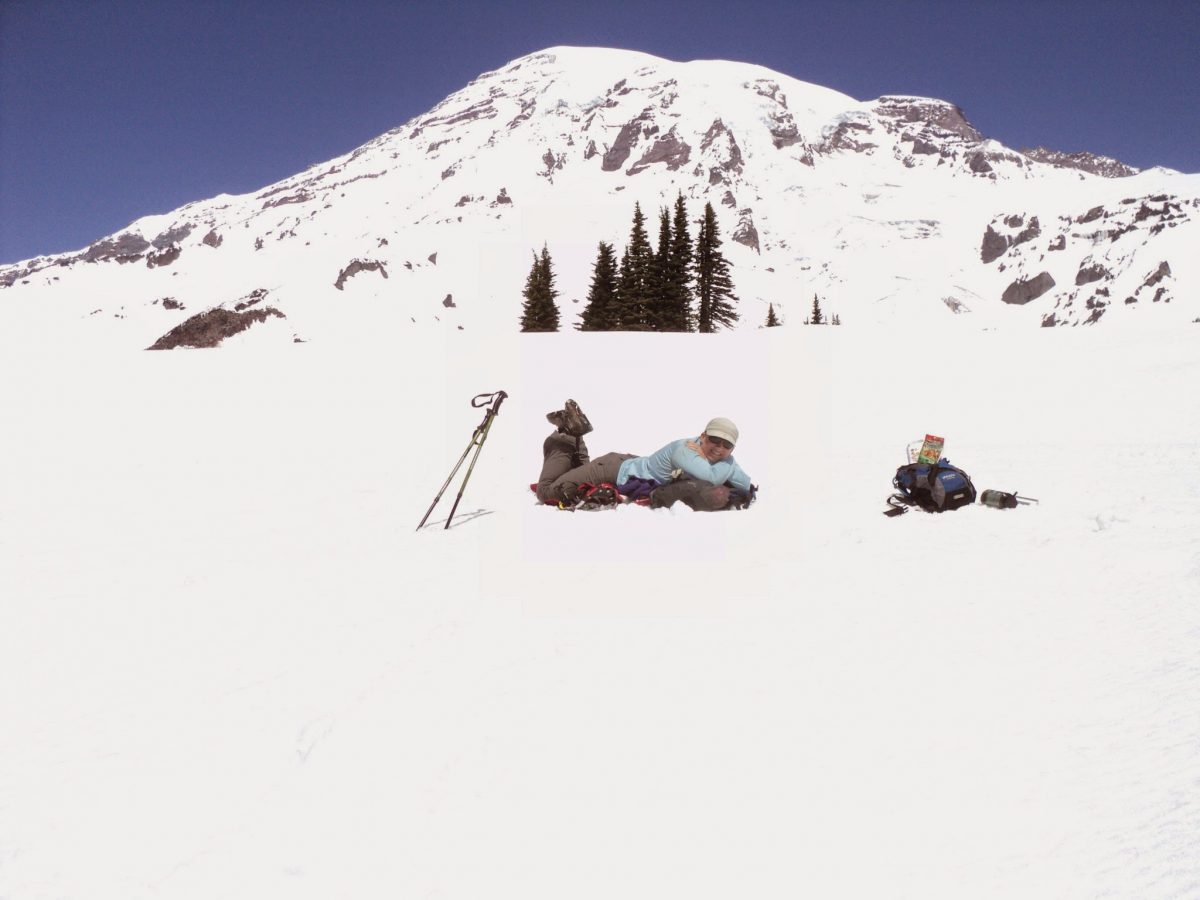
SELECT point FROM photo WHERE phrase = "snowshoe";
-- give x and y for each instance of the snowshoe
(598, 496)
(588, 497)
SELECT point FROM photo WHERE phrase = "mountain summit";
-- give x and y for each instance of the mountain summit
(896, 210)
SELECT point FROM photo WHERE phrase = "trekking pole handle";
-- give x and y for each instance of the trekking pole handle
(484, 399)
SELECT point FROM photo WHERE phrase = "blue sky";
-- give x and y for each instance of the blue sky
(114, 109)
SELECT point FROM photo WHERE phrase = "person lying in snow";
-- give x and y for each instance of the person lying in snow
(699, 471)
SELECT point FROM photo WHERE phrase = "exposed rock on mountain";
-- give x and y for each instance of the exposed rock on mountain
(996, 244)
(1104, 166)
(121, 248)
(746, 233)
(668, 149)
(1089, 273)
(211, 327)
(720, 150)
(1023, 290)
(298, 197)
(852, 133)
(627, 139)
(935, 120)
(356, 266)
(163, 257)
(1163, 271)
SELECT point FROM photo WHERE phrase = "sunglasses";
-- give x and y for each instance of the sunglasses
(720, 442)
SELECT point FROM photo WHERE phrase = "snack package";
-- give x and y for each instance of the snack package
(931, 449)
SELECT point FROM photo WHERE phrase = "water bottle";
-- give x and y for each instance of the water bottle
(998, 499)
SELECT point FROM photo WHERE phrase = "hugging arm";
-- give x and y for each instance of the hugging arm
(688, 458)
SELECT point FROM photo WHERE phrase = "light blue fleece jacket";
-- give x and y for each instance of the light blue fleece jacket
(677, 455)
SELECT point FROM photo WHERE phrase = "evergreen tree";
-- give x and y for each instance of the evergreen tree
(658, 288)
(635, 272)
(627, 291)
(530, 312)
(539, 313)
(546, 278)
(772, 319)
(601, 312)
(714, 287)
(837, 320)
(816, 317)
(679, 272)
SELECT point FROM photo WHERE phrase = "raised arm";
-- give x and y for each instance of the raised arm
(687, 456)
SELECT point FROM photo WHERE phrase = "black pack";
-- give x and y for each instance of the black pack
(933, 488)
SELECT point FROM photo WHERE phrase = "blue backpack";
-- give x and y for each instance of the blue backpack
(933, 488)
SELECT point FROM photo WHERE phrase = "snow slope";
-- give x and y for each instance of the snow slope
(230, 666)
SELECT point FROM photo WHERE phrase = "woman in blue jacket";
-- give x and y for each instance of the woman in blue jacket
(700, 471)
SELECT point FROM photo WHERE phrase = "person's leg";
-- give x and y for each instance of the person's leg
(699, 495)
(560, 453)
(580, 456)
(565, 484)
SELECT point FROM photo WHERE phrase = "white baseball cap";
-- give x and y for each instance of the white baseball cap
(722, 428)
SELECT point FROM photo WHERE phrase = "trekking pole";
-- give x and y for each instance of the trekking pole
(477, 439)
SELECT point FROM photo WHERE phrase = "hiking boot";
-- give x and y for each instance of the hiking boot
(570, 420)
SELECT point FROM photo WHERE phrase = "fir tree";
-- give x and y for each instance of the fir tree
(626, 290)
(635, 271)
(539, 313)
(601, 313)
(546, 278)
(546, 281)
(772, 319)
(679, 272)
(816, 317)
(530, 312)
(714, 287)
(836, 320)
(658, 288)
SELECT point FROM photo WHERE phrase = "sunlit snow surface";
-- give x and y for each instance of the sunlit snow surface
(231, 668)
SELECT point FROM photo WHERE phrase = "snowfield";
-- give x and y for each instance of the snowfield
(231, 667)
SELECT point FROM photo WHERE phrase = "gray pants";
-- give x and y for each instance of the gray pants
(699, 495)
(566, 465)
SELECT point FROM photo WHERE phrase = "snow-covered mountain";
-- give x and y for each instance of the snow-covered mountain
(893, 211)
